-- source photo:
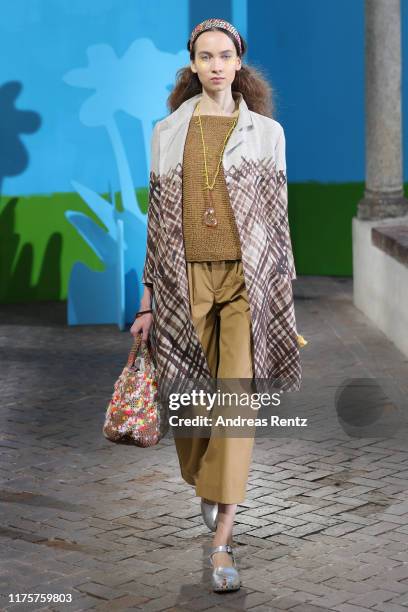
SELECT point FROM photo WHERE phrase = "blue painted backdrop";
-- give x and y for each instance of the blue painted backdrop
(312, 52)
(83, 81)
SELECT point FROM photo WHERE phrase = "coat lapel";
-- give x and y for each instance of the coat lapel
(174, 130)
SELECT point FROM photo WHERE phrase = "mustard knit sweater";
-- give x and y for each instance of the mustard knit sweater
(204, 243)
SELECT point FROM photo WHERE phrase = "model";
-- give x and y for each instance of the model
(219, 263)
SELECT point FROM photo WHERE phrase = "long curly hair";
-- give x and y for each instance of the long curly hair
(249, 81)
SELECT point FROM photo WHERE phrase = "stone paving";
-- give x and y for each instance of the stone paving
(325, 523)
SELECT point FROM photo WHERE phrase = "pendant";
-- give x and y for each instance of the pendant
(209, 217)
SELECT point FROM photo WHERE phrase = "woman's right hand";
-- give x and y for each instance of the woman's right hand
(142, 325)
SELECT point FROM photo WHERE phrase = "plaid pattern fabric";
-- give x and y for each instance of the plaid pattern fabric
(255, 175)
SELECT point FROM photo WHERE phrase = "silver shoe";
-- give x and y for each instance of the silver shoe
(224, 578)
(210, 514)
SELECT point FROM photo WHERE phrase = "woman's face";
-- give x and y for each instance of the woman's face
(215, 56)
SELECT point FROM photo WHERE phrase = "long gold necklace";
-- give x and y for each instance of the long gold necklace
(209, 217)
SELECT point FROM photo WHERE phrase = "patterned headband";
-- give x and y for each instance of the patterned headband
(209, 23)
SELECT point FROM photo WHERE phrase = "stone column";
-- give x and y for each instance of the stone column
(383, 196)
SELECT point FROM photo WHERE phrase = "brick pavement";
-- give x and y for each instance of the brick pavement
(325, 523)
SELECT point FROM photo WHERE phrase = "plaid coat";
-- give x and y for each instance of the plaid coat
(254, 168)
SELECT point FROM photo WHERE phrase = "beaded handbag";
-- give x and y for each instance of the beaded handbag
(134, 414)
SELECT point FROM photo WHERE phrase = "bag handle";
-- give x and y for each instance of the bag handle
(139, 345)
(134, 350)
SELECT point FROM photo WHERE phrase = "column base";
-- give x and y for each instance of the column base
(382, 207)
(380, 282)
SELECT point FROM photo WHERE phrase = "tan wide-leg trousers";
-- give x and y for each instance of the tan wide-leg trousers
(217, 466)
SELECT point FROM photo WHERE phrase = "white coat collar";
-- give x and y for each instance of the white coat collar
(186, 109)
(176, 124)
